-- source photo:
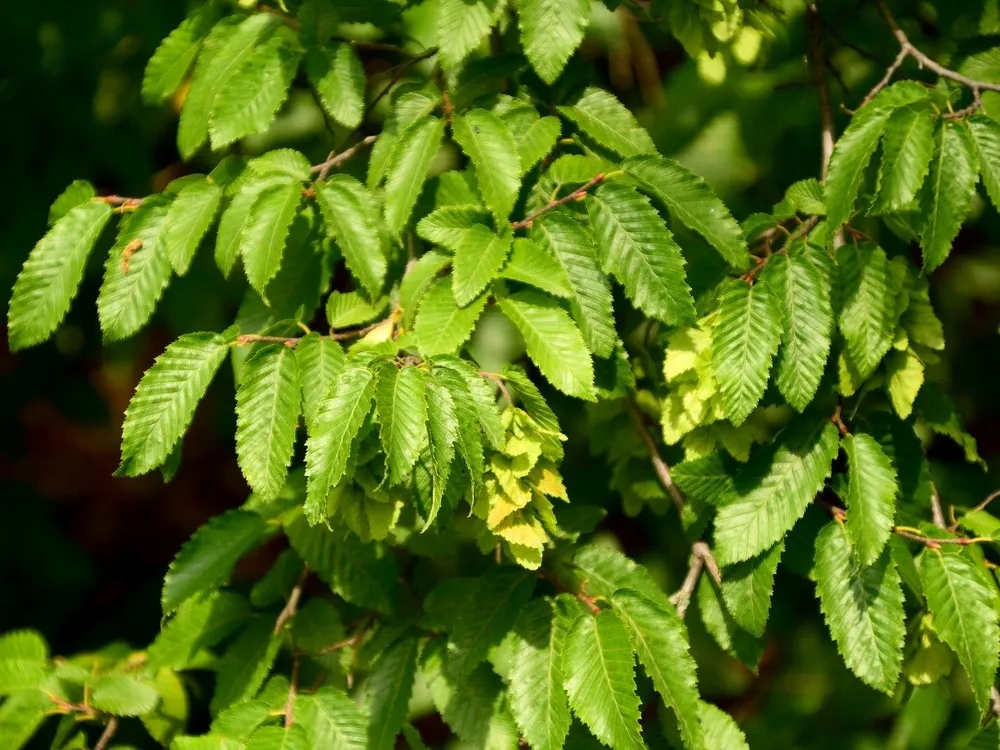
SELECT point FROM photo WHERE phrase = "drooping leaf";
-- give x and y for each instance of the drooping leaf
(46, 285)
(551, 30)
(200, 622)
(906, 156)
(693, 203)
(336, 74)
(635, 245)
(608, 122)
(352, 216)
(486, 141)
(320, 360)
(263, 238)
(963, 602)
(600, 680)
(411, 158)
(554, 343)
(747, 588)
(986, 136)
(165, 399)
(402, 413)
(442, 326)
(168, 66)
(478, 259)
(744, 343)
(442, 433)
(469, 438)
(572, 245)
(867, 314)
(237, 216)
(388, 691)
(871, 496)
(938, 411)
(948, 192)
(267, 411)
(774, 490)
(191, 213)
(244, 666)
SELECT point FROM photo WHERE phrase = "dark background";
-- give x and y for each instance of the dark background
(82, 554)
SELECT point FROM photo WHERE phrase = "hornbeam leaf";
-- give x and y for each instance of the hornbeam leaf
(605, 119)
(165, 399)
(986, 135)
(535, 679)
(442, 326)
(463, 25)
(469, 441)
(484, 399)
(263, 238)
(207, 559)
(411, 158)
(871, 496)
(743, 345)
(267, 412)
(388, 691)
(572, 245)
(417, 281)
(947, 194)
(352, 215)
(906, 156)
(331, 719)
(448, 225)
(693, 203)
(337, 422)
(443, 432)
(123, 694)
(660, 641)
(774, 490)
(600, 680)
(867, 315)
(635, 245)
(803, 294)
(486, 141)
(720, 729)
(49, 280)
(169, 65)
(76, 193)
(336, 74)
(191, 213)
(478, 259)
(136, 273)
(863, 606)
(551, 30)
(535, 140)
(963, 601)
(320, 360)
(402, 414)
(747, 588)
(531, 264)
(292, 737)
(553, 342)
(237, 216)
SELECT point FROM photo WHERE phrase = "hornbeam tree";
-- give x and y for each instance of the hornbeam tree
(736, 373)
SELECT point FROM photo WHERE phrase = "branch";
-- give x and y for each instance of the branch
(816, 66)
(117, 200)
(498, 381)
(353, 333)
(293, 691)
(335, 159)
(292, 605)
(109, 731)
(701, 557)
(659, 465)
(576, 195)
(400, 69)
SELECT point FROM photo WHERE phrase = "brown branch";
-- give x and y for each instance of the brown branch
(701, 557)
(576, 195)
(397, 75)
(293, 690)
(659, 465)
(335, 159)
(995, 701)
(292, 605)
(109, 731)
(936, 513)
(359, 332)
(817, 61)
(498, 381)
(117, 200)
(253, 338)
(989, 499)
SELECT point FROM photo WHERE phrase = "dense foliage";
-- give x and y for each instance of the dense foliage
(785, 360)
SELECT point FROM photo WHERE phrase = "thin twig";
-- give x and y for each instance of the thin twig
(659, 465)
(498, 381)
(936, 513)
(989, 499)
(701, 557)
(293, 690)
(292, 605)
(817, 69)
(397, 75)
(995, 701)
(117, 200)
(109, 731)
(576, 195)
(353, 333)
(335, 159)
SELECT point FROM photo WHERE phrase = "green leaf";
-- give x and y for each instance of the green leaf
(243, 668)
(20, 717)
(442, 434)
(720, 728)
(331, 719)
(867, 315)
(321, 360)
(267, 412)
(411, 158)
(747, 588)
(291, 737)
(136, 273)
(352, 215)
(49, 280)
(346, 309)
(986, 136)
(165, 399)
(417, 281)
(936, 409)
(660, 641)
(572, 245)
(635, 245)
(486, 141)
(708, 479)
(744, 343)
(803, 295)
(608, 122)
(283, 162)
(200, 623)
(529, 263)
(402, 413)
(947, 195)
(336, 423)
(250, 93)
(336, 74)
(123, 695)
(191, 213)
(692, 202)
(469, 437)
(478, 259)
(237, 216)
(207, 559)
(442, 326)
(553, 342)
(806, 196)
(871, 496)
(263, 238)
(463, 25)
(448, 225)
(774, 490)
(600, 680)
(535, 679)
(76, 193)
(534, 140)
(906, 156)
(551, 30)
(963, 601)
(239, 722)
(388, 691)
(24, 661)
(169, 65)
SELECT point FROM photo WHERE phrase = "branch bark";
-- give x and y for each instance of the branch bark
(576, 195)
(816, 67)
(659, 465)
(109, 731)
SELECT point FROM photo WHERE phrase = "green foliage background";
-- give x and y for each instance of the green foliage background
(82, 555)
